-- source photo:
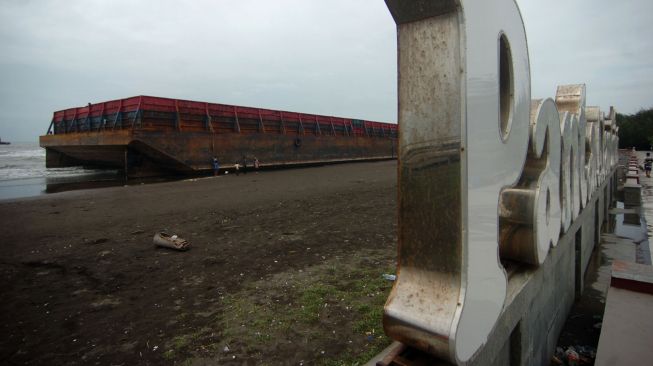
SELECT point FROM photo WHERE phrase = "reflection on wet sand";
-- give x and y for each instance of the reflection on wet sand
(56, 186)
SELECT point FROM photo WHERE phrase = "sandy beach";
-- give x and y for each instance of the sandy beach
(285, 267)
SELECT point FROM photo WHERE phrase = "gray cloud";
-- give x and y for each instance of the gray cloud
(604, 44)
(332, 57)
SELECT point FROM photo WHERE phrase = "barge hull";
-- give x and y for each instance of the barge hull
(147, 136)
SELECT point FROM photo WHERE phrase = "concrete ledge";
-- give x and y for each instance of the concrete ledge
(626, 336)
(632, 277)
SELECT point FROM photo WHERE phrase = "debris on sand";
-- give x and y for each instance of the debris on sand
(574, 355)
(170, 241)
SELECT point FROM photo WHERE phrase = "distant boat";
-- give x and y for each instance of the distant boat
(4, 142)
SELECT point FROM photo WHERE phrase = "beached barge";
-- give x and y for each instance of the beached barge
(148, 136)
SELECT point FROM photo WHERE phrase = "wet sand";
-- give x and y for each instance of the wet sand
(82, 282)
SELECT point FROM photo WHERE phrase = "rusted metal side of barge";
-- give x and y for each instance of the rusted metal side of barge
(147, 136)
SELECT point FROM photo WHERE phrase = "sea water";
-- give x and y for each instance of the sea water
(23, 173)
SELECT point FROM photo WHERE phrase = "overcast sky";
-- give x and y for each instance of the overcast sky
(333, 57)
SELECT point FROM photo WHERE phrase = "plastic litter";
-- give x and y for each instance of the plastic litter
(389, 277)
(572, 356)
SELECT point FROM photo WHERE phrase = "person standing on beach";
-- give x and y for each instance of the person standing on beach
(244, 165)
(237, 168)
(256, 164)
(216, 167)
(648, 162)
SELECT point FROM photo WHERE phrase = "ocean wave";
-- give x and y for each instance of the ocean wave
(23, 154)
(20, 173)
(55, 172)
(27, 161)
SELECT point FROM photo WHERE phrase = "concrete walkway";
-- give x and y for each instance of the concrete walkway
(647, 202)
(626, 335)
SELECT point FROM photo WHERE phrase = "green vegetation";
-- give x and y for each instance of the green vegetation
(636, 130)
(169, 354)
(332, 307)
(180, 342)
(329, 313)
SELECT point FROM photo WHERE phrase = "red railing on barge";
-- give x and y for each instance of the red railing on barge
(164, 114)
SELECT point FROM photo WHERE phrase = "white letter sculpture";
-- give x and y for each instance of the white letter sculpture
(484, 172)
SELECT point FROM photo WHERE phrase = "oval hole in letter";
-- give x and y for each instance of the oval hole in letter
(506, 87)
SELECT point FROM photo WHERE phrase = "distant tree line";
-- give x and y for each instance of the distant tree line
(636, 129)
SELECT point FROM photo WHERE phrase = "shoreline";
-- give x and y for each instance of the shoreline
(31, 187)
